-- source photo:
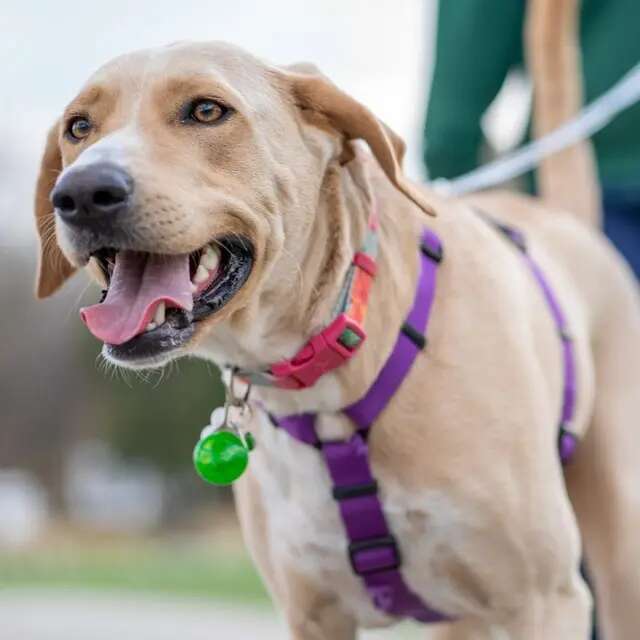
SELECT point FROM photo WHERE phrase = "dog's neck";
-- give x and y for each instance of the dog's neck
(279, 321)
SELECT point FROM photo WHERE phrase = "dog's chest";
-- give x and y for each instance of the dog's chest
(307, 534)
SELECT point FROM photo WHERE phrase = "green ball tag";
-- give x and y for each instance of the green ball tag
(221, 457)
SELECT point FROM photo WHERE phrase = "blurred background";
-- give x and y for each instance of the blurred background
(105, 531)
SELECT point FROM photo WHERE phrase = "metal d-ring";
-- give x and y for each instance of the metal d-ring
(233, 399)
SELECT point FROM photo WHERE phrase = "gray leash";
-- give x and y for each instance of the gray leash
(624, 94)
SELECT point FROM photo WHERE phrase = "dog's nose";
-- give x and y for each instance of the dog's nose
(92, 194)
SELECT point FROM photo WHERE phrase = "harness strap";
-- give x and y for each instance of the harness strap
(373, 550)
(567, 440)
(366, 410)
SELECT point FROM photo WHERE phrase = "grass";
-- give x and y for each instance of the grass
(218, 572)
(154, 568)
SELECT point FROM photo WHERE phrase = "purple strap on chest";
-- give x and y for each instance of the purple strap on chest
(372, 549)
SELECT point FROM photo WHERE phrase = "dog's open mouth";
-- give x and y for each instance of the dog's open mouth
(154, 301)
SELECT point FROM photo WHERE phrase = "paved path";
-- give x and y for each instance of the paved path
(76, 615)
(34, 614)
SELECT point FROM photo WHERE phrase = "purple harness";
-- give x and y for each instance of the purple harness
(372, 549)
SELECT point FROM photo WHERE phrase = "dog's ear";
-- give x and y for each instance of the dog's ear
(53, 267)
(313, 91)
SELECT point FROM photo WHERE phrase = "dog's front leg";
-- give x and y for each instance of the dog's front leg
(323, 621)
(310, 612)
(312, 631)
(462, 630)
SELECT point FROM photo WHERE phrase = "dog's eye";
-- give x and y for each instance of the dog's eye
(79, 128)
(208, 111)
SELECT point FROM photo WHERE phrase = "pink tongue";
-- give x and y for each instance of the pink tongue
(139, 282)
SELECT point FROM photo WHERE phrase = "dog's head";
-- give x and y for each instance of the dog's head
(186, 179)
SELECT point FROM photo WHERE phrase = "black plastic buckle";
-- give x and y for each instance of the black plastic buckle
(564, 429)
(435, 253)
(374, 543)
(565, 335)
(414, 335)
(517, 239)
(513, 235)
(355, 491)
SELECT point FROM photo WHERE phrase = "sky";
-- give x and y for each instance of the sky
(379, 51)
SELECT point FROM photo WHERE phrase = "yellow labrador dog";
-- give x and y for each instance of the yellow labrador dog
(220, 202)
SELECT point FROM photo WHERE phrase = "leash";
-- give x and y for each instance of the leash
(622, 95)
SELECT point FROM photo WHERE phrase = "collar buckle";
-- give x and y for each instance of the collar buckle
(327, 350)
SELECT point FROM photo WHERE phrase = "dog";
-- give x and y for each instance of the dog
(220, 201)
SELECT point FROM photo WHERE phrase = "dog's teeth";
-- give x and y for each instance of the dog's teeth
(150, 327)
(210, 258)
(208, 264)
(202, 275)
(159, 315)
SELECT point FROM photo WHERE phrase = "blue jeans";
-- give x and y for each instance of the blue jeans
(622, 222)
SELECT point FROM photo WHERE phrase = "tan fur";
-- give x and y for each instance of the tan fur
(567, 179)
(466, 451)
